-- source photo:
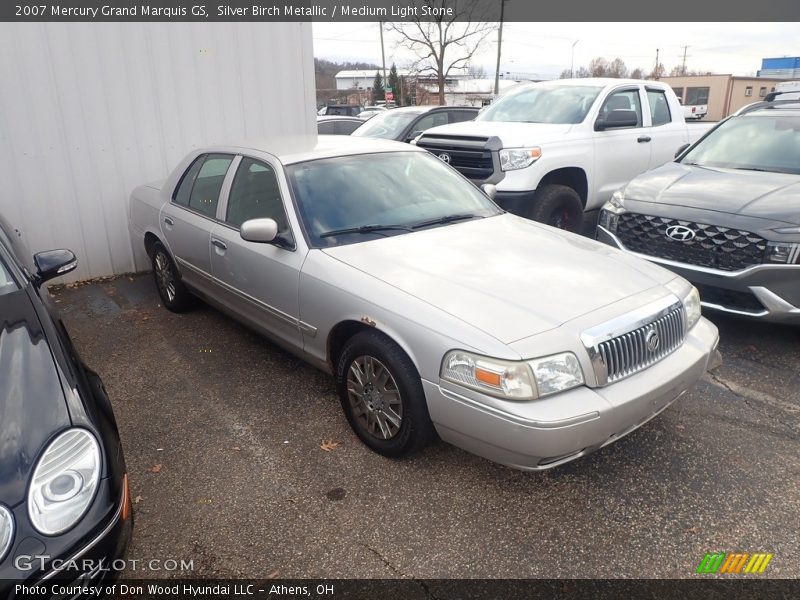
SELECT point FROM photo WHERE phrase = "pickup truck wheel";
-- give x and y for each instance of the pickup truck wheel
(558, 206)
(174, 295)
(382, 397)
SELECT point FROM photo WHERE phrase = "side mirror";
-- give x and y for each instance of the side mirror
(414, 135)
(680, 150)
(53, 263)
(259, 230)
(619, 117)
(490, 190)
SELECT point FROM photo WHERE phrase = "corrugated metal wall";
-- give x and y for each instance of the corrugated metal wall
(89, 111)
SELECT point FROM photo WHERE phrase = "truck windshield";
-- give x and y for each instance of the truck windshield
(756, 142)
(566, 104)
(362, 197)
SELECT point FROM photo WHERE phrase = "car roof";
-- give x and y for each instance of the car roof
(337, 118)
(591, 81)
(423, 108)
(294, 149)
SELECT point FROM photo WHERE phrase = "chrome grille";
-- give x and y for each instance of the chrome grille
(634, 351)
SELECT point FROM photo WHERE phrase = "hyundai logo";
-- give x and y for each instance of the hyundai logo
(679, 233)
(445, 157)
(652, 340)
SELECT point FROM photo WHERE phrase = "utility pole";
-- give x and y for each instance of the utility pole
(683, 66)
(499, 46)
(572, 61)
(383, 58)
(655, 71)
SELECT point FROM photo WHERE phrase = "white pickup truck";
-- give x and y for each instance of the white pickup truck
(557, 150)
(693, 112)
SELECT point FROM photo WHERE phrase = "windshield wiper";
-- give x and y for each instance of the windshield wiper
(444, 220)
(753, 169)
(364, 229)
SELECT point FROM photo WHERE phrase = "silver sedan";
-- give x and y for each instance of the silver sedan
(438, 313)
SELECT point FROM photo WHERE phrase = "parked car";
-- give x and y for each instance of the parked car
(693, 112)
(336, 125)
(557, 150)
(437, 312)
(65, 510)
(406, 123)
(725, 214)
(368, 113)
(347, 110)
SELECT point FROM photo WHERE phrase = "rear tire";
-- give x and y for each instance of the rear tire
(382, 397)
(558, 206)
(174, 294)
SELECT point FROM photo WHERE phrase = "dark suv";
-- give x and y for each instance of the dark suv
(725, 214)
(405, 124)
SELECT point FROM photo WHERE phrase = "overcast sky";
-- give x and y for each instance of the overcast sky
(543, 50)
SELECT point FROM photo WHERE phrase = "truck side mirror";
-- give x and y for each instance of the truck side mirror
(619, 117)
(53, 263)
(681, 150)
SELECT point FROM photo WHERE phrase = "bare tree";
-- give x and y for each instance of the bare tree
(598, 67)
(617, 68)
(637, 73)
(445, 43)
(476, 71)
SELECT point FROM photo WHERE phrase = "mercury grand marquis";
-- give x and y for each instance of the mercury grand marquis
(437, 312)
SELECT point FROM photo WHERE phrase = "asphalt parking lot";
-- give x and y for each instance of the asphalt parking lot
(241, 461)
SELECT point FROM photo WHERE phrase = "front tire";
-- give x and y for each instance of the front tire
(174, 294)
(382, 397)
(558, 206)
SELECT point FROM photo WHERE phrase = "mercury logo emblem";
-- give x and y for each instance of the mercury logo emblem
(679, 233)
(445, 157)
(652, 340)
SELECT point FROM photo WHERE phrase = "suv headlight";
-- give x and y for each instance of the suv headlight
(690, 298)
(609, 214)
(512, 159)
(6, 531)
(64, 482)
(783, 253)
(513, 380)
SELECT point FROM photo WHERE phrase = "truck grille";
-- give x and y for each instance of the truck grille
(632, 352)
(713, 246)
(468, 155)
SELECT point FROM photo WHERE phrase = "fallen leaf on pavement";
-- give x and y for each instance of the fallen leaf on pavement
(155, 469)
(329, 445)
(236, 449)
(137, 499)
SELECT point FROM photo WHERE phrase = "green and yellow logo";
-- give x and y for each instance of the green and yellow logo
(734, 562)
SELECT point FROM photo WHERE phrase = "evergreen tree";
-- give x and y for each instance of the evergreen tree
(378, 93)
(394, 84)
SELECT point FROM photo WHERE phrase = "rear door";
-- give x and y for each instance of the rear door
(620, 153)
(260, 281)
(189, 217)
(667, 130)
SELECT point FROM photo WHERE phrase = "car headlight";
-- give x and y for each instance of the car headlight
(784, 253)
(513, 380)
(609, 214)
(512, 159)
(64, 482)
(690, 298)
(6, 531)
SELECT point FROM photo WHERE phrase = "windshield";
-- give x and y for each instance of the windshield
(387, 124)
(7, 283)
(757, 142)
(565, 104)
(383, 194)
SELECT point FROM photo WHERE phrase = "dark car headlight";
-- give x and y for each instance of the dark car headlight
(6, 531)
(783, 253)
(64, 482)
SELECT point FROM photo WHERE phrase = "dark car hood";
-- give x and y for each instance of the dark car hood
(772, 196)
(32, 403)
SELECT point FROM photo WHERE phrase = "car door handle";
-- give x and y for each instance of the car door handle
(219, 244)
(643, 139)
(169, 221)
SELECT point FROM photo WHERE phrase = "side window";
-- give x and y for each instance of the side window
(459, 116)
(432, 120)
(696, 95)
(345, 127)
(255, 195)
(679, 93)
(624, 100)
(659, 107)
(207, 185)
(325, 127)
(184, 189)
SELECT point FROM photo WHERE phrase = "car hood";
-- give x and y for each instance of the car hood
(513, 135)
(507, 276)
(32, 403)
(746, 193)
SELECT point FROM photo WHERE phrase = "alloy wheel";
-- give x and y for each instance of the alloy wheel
(165, 276)
(374, 397)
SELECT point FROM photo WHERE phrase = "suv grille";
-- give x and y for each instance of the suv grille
(468, 155)
(632, 352)
(713, 246)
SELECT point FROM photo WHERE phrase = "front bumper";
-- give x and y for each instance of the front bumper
(36, 560)
(522, 438)
(765, 292)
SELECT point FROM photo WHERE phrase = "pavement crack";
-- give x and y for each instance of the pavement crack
(399, 573)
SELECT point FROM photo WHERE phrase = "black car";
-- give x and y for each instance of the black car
(65, 510)
(725, 214)
(406, 123)
(346, 110)
(337, 125)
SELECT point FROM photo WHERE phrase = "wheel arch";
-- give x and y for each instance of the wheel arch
(572, 177)
(346, 329)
